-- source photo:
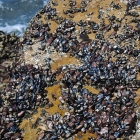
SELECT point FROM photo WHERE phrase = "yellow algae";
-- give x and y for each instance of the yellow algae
(57, 91)
(29, 133)
(53, 26)
(91, 89)
(58, 77)
(138, 76)
(137, 98)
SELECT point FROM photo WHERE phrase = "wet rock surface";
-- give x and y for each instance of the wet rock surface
(107, 53)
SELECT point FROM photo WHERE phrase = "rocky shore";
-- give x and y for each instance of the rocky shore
(75, 73)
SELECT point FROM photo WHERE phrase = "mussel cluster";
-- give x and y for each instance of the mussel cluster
(10, 45)
(109, 117)
(112, 110)
(105, 65)
(22, 95)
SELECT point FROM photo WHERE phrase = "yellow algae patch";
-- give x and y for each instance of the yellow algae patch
(64, 60)
(53, 26)
(26, 124)
(58, 77)
(29, 133)
(137, 98)
(138, 76)
(91, 89)
(57, 91)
